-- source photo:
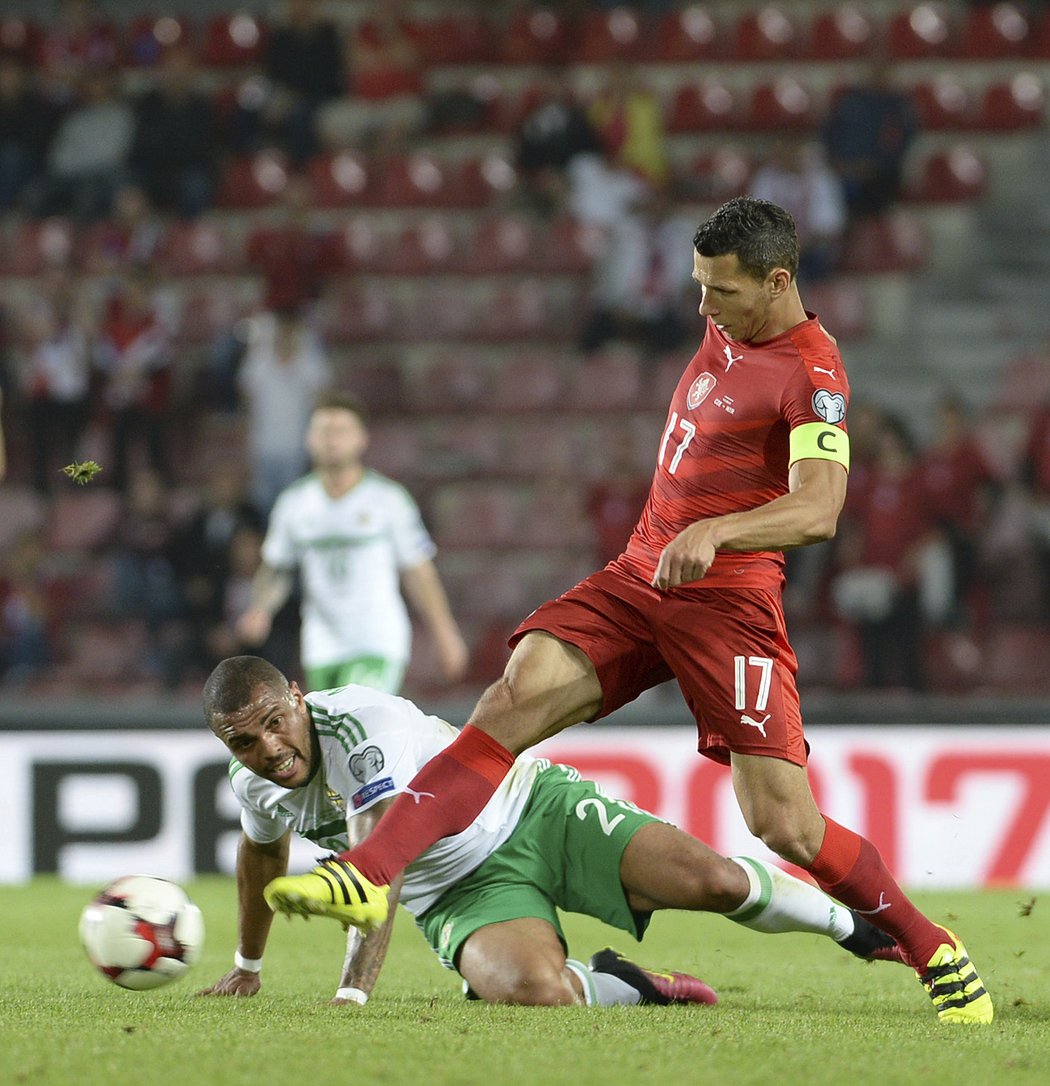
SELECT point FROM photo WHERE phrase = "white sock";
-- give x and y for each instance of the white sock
(778, 902)
(603, 989)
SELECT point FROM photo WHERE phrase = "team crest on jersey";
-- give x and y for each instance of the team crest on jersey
(830, 406)
(367, 763)
(699, 390)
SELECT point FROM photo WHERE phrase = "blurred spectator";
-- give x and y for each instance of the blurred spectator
(27, 123)
(628, 118)
(26, 640)
(639, 281)
(894, 572)
(145, 585)
(387, 104)
(76, 40)
(134, 354)
(1035, 478)
(293, 253)
(958, 485)
(129, 238)
(174, 148)
(796, 177)
(56, 332)
(88, 156)
(600, 193)
(868, 131)
(283, 371)
(615, 502)
(552, 134)
(304, 68)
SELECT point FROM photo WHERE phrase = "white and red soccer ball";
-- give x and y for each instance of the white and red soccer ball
(142, 932)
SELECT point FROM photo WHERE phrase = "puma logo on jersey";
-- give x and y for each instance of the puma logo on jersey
(417, 796)
(760, 724)
(730, 357)
(882, 905)
(830, 373)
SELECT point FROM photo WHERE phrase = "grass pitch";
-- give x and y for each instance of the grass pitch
(795, 1009)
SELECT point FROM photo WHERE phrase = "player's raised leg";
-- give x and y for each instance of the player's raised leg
(547, 686)
(778, 806)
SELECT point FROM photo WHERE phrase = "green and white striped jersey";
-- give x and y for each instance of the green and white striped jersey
(372, 744)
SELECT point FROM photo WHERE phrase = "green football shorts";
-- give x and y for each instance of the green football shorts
(376, 672)
(565, 853)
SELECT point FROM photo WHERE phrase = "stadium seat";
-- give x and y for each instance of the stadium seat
(995, 32)
(366, 312)
(18, 37)
(522, 311)
(453, 39)
(394, 448)
(538, 36)
(1008, 105)
(769, 33)
(36, 246)
(1015, 659)
(943, 103)
(607, 36)
(206, 314)
(552, 516)
(841, 305)
(233, 40)
(376, 380)
(480, 181)
(342, 179)
(502, 243)
(22, 511)
(710, 106)
(607, 381)
(566, 247)
(440, 310)
(683, 37)
(843, 34)
(894, 242)
(201, 247)
(529, 382)
(477, 515)
(719, 175)
(782, 105)
(253, 181)
(949, 176)
(413, 180)
(920, 32)
(427, 247)
(550, 446)
(83, 520)
(146, 38)
(471, 447)
(450, 381)
(361, 246)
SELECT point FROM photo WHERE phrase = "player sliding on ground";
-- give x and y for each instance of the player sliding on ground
(326, 765)
(752, 461)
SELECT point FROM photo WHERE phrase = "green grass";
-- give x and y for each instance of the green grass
(794, 1010)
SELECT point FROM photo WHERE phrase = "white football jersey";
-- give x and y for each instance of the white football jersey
(350, 551)
(372, 745)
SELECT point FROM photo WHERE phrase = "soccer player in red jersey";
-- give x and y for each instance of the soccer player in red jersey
(753, 459)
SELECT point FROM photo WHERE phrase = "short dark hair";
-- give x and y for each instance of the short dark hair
(336, 399)
(232, 683)
(760, 234)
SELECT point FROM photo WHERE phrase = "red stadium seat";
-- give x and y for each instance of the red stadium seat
(451, 381)
(566, 247)
(525, 310)
(841, 306)
(83, 520)
(37, 246)
(552, 516)
(478, 182)
(394, 448)
(950, 176)
(501, 244)
(477, 515)
(919, 32)
(453, 39)
(720, 175)
(371, 311)
(943, 103)
(606, 36)
(440, 311)
(343, 179)
(1015, 659)
(710, 106)
(783, 104)
(539, 36)
(529, 382)
(147, 37)
(607, 381)
(415, 180)
(843, 34)
(683, 37)
(996, 31)
(892, 243)
(233, 40)
(253, 181)
(361, 246)
(1012, 104)
(541, 446)
(427, 247)
(376, 380)
(769, 33)
(198, 248)
(209, 313)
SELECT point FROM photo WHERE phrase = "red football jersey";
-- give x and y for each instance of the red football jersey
(724, 447)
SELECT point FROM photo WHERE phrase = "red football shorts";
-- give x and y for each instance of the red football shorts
(727, 648)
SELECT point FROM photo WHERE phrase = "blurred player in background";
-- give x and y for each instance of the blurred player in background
(328, 764)
(753, 460)
(358, 540)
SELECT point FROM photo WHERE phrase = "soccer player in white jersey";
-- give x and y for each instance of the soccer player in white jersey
(357, 539)
(326, 765)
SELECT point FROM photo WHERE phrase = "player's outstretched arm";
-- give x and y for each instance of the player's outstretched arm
(257, 864)
(365, 954)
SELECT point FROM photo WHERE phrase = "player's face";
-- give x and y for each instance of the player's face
(737, 302)
(335, 438)
(270, 735)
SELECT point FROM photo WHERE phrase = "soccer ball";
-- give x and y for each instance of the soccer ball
(141, 932)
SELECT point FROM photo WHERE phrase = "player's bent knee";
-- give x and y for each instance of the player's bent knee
(539, 989)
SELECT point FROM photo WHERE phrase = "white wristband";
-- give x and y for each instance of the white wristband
(355, 995)
(249, 965)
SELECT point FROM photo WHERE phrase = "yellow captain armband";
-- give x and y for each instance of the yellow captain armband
(819, 441)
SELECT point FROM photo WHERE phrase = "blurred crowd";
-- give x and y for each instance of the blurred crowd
(95, 358)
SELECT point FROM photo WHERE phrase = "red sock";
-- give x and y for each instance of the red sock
(443, 798)
(849, 867)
